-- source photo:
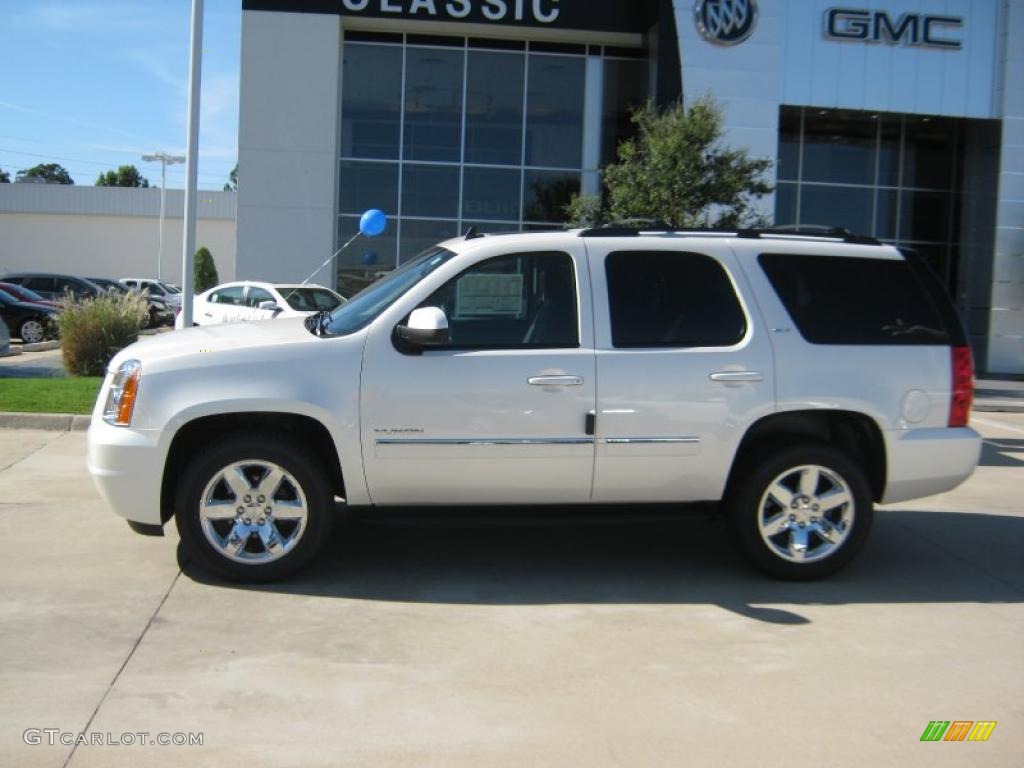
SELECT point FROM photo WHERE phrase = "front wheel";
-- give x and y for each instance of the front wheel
(254, 507)
(32, 331)
(801, 513)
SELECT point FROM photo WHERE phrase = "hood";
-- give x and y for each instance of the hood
(211, 339)
(37, 306)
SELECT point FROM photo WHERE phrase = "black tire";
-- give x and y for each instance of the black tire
(749, 506)
(307, 480)
(149, 321)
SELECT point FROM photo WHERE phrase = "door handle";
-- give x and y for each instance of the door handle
(736, 376)
(555, 381)
(207, 314)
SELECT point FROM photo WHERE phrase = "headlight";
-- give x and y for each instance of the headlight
(121, 396)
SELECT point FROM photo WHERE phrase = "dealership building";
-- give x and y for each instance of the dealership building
(901, 119)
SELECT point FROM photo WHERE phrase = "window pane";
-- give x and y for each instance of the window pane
(547, 193)
(925, 216)
(671, 299)
(417, 236)
(554, 111)
(625, 87)
(785, 204)
(889, 155)
(521, 300)
(789, 142)
(491, 193)
(885, 215)
(490, 226)
(430, 190)
(836, 207)
(433, 104)
(494, 108)
(839, 147)
(367, 185)
(371, 100)
(854, 301)
(929, 152)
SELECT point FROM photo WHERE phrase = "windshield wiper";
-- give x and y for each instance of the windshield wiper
(317, 324)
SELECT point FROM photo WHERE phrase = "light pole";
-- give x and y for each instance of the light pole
(164, 159)
(192, 164)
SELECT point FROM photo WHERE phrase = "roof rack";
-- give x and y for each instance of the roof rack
(836, 233)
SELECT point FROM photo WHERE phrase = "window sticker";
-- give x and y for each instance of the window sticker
(487, 295)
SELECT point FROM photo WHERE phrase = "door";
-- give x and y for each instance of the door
(684, 366)
(225, 305)
(253, 298)
(500, 415)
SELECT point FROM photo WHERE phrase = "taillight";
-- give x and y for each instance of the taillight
(963, 387)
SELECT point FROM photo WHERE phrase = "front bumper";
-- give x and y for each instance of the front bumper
(127, 467)
(923, 462)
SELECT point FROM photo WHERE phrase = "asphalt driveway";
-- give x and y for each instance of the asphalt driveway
(473, 643)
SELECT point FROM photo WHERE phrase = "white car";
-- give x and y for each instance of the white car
(246, 301)
(793, 380)
(168, 293)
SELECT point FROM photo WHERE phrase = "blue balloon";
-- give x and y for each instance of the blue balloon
(373, 222)
(369, 258)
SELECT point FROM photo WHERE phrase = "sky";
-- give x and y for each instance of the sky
(94, 84)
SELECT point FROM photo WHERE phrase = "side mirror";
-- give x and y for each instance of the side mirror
(427, 327)
(270, 306)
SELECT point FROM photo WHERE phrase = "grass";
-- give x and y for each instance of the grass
(75, 395)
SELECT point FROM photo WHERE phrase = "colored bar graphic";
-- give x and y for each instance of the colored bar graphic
(982, 730)
(935, 730)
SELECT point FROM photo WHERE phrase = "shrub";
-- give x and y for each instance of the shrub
(94, 330)
(205, 270)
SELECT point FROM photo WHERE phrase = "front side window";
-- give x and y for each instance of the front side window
(257, 295)
(523, 300)
(671, 299)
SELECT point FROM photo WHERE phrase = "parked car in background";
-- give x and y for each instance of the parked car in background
(54, 287)
(160, 312)
(21, 293)
(167, 292)
(28, 321)
(245, 301)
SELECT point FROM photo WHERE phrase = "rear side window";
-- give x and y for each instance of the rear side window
(232, 295)
(671, 299)
(840, 300)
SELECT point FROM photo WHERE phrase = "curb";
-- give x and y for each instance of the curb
(41, 346)
(12, 352)
(55, 422)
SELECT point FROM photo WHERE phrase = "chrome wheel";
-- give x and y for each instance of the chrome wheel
(253, 511)
(806, 513)
(32, 331)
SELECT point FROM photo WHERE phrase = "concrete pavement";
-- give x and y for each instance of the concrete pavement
(468, 644)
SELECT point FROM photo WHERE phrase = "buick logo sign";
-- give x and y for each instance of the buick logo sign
(725, 22)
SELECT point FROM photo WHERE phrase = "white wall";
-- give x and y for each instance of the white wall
(108, 232)
(287, 144)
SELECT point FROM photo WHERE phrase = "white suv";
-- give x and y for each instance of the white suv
(795, 379)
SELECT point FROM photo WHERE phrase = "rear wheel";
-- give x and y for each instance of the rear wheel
(801, 513)
(32, 331)
(254, 507)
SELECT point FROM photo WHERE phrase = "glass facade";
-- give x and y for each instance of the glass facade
(448, 133)
(896, 177)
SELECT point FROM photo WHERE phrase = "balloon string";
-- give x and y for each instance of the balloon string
(332, 257)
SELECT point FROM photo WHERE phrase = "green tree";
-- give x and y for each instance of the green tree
(5, 177)
(232, 184)
(205, 270)
(51, 173)
(124, 176)
(676, 171)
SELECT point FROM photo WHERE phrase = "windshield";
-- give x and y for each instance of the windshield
(363, 308)
(310, 299)
(170, 288)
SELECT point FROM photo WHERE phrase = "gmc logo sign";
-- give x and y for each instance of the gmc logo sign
(917, 29)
